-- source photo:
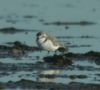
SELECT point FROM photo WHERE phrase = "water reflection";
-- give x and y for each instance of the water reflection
(48, 75)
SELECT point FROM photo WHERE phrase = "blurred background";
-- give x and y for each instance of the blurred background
(76, 23)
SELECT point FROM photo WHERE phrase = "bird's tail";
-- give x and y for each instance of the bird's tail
(63, 49)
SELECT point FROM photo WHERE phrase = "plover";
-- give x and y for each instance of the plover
(49, 43)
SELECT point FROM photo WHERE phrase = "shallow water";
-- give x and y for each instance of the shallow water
(31, 15)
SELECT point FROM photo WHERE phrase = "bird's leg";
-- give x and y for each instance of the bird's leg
(40, 49)
(55, 53)
(48, 52)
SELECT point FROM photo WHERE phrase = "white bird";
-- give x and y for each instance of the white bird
(49, 43)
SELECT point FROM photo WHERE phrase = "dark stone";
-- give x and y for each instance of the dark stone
(58, 60)
(97, 61)
(66, 27)
(83, 23)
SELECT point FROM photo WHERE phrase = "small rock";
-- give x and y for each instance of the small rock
(58, 60)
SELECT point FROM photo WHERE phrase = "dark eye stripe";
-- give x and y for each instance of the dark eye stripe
(38, 34)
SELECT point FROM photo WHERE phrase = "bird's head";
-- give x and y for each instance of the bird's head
(42, 35)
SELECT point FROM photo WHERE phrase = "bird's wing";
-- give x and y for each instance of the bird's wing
(55, 41)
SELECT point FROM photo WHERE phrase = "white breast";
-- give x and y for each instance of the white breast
(47, 45)
(41, 40)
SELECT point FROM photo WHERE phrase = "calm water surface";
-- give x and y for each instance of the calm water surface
(32, 14)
